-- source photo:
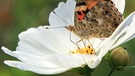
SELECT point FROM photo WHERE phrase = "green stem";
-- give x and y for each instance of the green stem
(110, 73)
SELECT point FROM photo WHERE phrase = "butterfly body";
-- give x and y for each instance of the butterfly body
(95, 19)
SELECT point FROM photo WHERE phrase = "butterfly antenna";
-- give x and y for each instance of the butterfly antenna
(59, 26)
(61, 17)
(49, 27)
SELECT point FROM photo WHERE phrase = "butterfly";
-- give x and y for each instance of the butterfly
(95, 19)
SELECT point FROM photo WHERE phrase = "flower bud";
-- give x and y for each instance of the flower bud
(119, 57)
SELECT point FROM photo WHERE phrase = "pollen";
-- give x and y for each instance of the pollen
(86, 50)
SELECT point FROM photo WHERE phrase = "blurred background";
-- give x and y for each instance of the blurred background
(19, 15)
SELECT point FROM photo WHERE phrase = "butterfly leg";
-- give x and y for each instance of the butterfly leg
(76, 43)
(81, 40)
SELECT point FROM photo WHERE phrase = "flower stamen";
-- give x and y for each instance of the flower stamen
(86, 50)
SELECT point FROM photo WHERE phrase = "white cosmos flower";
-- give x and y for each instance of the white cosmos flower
(49, 51)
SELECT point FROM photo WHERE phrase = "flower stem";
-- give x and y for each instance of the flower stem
(110, 73)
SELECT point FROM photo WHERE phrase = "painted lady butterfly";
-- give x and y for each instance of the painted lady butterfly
(95, 18)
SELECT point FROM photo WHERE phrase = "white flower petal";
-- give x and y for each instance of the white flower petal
(33, 41)
(120, 4)
(71, 60)
(7, 51)
(64, 14)
(36, 69)
(43, 41)
(43, 61)
(94, 63)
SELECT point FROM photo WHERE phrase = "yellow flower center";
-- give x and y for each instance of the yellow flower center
(86, 50)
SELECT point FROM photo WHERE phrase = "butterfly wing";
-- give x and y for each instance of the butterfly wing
(99, 19)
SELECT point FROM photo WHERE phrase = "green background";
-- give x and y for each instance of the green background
(19, 15)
